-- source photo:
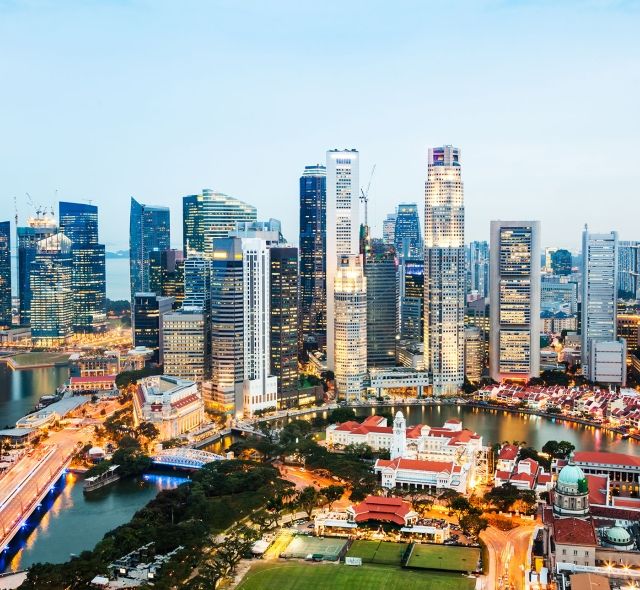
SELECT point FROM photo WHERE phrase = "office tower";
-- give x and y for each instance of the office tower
(313, 264)
(185, 344)
(629, 329)
(599, 291)
(382, 305)
(212, 215)
(407, 238)
(389, 229)
(474, 353)
(343, 226)
(350, 327)
(197, 282)
(5, 275)
(561, 262)
(227, 323)
(166, 274)
(37, 229)
(148, 309)
(444, 270)
(411, 282)
(559, 294)
(515, 300)
(149, 230)
(51, 292)
(478, 269)
(284, 316)
(548, 256)
(629, 270)
(79, 222)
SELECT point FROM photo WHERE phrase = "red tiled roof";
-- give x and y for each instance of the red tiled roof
(374, 420)
(597, 485)
(544, 478)
(382, 509)
(503, 475)
(93, 379)
(508, 452)
(453, 421)
(574, 531)
(185, 401)
(633, 503)
(416, 465)
(606, 458)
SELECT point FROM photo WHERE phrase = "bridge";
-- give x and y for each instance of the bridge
(184, 458)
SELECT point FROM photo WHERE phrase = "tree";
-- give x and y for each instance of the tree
(308, 499)
(359, 451)
(146, 430)
(447, 496)
(558, 450)
(460, 505)
(473, 524)
(332, 494)
(503, 496)
(341, 415)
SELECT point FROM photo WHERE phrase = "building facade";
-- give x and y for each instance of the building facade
(474, 353)
(629, 270)
(411, 299)
(389, 229)
(185, 344)
(343, 227)
(514, 351)
(147, 312)
(478, 269)
(444, 270)
(166, 274)
(313, 264)
(407, 237)
(6, 317)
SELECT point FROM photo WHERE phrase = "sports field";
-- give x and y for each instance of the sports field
(321, 576)
(327, 547)
(383, 552)
(443, 557)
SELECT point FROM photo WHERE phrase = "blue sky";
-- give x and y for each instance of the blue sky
(107, 99)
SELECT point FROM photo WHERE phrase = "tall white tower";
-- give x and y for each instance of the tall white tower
(343, 226)
(444, 270)
(350, 321)
(399, 438)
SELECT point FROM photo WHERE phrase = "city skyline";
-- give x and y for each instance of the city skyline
(107, 144)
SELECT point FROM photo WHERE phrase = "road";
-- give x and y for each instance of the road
(508, 556)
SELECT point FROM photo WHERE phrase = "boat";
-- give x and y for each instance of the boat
(100, 481)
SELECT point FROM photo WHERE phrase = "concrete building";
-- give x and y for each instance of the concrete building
(478, 269)
(389, 229)
(444, 265)
(474, 353)
(629, 270)
(6, 318)
(608, 362)
(343, 227)
(350, 321)
(514, 351)
(148, 309)
(185, 344)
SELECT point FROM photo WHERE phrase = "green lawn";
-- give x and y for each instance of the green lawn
(303, 576)
(384, 552)
(443, 557)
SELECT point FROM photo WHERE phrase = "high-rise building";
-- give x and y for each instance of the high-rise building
(212, 215)
(313, 264)
(149, 230)
(51, 292)
(515, 300)
(343, 226)
(350, 327)
(599, 292)
(561, 262)
(444, 270)
(380, 271)
(185, 346)
(197, 283)
(148, 309)
(79, 222)
(478, 269)
(166, 274)
(549, 251)
(559, 294)
(284, 316)
(5, 275)
(474, 353)
(389, 229)
(629, 270)
(37, 229)
(407, 238)
(411, 299)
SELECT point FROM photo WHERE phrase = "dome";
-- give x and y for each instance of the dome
(570, 475)
(618, 536)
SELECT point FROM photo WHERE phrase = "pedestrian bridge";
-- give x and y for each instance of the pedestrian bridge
(184, 458)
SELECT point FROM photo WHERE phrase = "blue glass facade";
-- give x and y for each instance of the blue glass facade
(5, 274)
(407, 236)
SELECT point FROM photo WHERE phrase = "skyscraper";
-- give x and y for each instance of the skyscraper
(284, 316)
(478, 268)
(380, 271)
(515, 300)
(5, 275)
(313, 264)
(411, 282)
(197, 283)
(37, 229)
(148, 309)
(192, 224)
(350, 327)
(149, 230)
(599, 292)
(166, 274)
(389, 229)
(474, 346)
(561, 262)
(407, 237)
(343, 226)
(185, 346)
(629, 270)
(79, 222)
(444, 270)
(51, 292)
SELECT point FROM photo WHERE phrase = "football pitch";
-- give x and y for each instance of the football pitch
(317, 576)
(323, 547)
(442, 557)
(383, 552)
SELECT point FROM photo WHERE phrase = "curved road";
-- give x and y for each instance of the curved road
(508, 556)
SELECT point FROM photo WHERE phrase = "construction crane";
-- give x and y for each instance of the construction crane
(364, 197)
(15, 207)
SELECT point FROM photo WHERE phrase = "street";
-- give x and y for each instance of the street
(508, 556)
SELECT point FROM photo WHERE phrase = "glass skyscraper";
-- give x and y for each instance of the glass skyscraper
(313, 263)
(406, 237)
(79, 222)
(167, 274)
(149, 230)
(5, 274)
(411, 299)
(629, 270)
(478, 269)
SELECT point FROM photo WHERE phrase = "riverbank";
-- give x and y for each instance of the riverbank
(36, 360)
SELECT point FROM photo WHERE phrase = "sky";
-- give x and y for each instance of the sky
(107, 99)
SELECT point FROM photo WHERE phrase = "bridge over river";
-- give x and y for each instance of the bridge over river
(184, 458)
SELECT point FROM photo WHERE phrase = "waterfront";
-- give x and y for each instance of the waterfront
(118, 285)
(21, 390)
(74, 522)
